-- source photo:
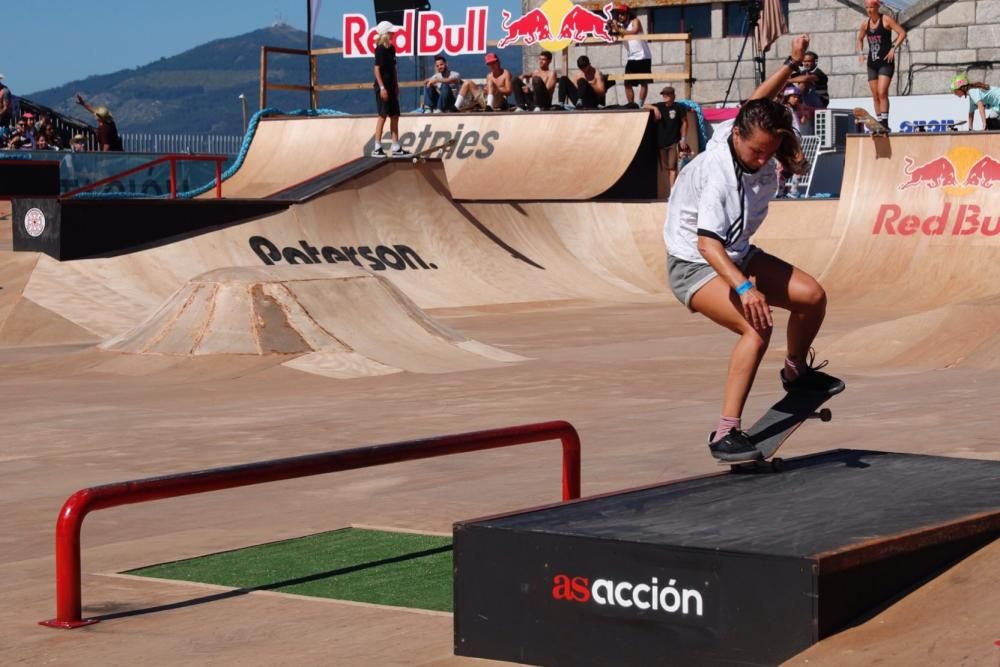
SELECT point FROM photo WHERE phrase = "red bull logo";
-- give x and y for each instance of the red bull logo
(958, 172)
(984, 173)
(530, 28)
(431, 33)
(937, 173)
(555, 24)
(581, 23)
(961, 172)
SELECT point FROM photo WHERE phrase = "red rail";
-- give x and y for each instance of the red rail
(77, 506)
(173, 159)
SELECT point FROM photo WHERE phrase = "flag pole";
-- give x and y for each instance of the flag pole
(309, 55)
(309, 27)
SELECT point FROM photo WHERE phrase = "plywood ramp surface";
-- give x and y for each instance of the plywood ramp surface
(399, 224)
(917, 244)
(494, 156)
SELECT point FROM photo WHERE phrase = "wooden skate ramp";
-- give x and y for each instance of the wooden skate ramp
(494, 156)
(910, 244)
(335, 320)
(399, 224)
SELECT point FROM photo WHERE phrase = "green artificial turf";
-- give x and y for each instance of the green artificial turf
(398, 569)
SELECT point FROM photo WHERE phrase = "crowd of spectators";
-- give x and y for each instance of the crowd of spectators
(25, 130)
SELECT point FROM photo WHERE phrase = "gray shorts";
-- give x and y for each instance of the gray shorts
(686, 277)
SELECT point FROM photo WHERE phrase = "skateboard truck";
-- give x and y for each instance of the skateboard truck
(775, 427)
(823, 415)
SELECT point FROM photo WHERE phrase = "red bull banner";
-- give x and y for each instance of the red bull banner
(555, 25)
(967, 183)
(429, 32)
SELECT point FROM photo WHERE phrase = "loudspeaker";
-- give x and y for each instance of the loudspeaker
(392, 10)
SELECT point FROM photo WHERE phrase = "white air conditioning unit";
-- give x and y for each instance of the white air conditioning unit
(832, 127)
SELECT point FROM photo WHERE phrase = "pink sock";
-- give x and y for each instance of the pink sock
(792, 369)
(726, 424)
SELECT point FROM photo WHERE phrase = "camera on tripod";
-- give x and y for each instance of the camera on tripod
(753, 9)
(620, 18)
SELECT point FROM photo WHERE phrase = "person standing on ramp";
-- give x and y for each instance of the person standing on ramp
(877, 30)
(719, 201)
(386, 90)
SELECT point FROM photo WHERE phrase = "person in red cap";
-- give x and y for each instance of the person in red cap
(492, 95)
(638, 57)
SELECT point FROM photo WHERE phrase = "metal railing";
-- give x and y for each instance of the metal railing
(146, 142)
(314, 88)
(69, 610)
(172, 161)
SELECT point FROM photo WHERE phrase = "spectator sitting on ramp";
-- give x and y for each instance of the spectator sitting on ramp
(982, 97)
(499, 84)
(720, 200)
(535, 89)
(587, 90)
(107, 132)
(443, 86)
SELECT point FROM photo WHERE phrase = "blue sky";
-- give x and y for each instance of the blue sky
(58, 41)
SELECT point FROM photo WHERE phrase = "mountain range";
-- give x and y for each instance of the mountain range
(197, 91)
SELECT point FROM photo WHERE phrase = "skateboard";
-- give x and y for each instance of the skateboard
(424, 155)
(862, 117)
(782, 419)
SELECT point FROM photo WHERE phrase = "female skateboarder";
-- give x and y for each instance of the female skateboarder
(877, 31)
(719, 201)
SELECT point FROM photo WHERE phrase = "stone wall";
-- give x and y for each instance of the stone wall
(944, 36)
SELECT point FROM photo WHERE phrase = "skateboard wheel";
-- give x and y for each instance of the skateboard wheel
(777, 465)
(825, 415)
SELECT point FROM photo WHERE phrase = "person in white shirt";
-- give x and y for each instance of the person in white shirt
(718, 202)
(638, 57)
(443, 86)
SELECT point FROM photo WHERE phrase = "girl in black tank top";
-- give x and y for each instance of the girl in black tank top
(878, 30)
(879, 42)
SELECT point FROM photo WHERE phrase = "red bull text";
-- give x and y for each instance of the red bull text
(433, 35)
(956, 220)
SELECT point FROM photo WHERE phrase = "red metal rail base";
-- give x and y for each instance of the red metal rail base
(77, 506)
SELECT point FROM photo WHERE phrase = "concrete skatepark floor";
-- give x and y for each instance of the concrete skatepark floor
(597, 341)
(640, 382)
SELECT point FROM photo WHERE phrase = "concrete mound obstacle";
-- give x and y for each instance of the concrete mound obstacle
(337, 321)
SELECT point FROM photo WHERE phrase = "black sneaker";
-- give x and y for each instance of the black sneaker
(400, 152)
(813, 380)
(378, 152)
(734, 446)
